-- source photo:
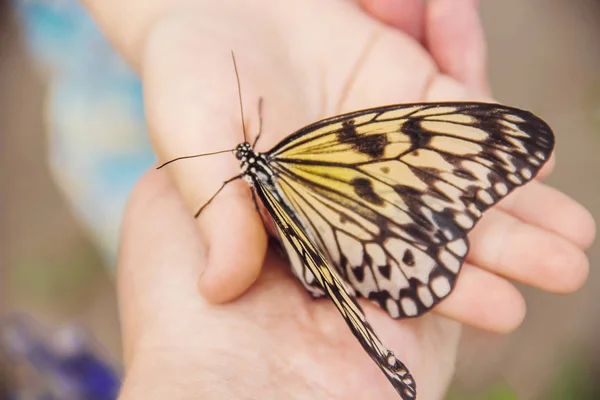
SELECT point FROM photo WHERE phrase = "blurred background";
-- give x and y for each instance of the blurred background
(543, 56)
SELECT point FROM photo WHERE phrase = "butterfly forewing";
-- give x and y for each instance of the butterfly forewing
(305, 255)
(390, 193)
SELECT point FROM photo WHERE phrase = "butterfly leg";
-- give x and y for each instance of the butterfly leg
(216, 193)
(260, 121)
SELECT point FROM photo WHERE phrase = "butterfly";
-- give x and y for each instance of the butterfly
(377, 203)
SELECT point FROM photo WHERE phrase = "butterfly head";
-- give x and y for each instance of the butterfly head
(244, 151)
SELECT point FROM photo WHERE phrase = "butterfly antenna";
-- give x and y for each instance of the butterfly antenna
(239, 87)
(260, 121)
(194, 156)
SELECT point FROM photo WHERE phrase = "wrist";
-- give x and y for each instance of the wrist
(167, 374)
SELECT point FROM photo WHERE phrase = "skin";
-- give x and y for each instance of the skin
(252, 331)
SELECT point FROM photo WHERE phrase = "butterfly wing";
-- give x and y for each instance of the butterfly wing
(303, 251)
(390, 193)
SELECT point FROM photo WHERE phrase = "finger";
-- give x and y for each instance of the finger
(368, 82)
(406, 15)
(455, 39)
(506, 246)
(484, 300)
(548, 208)
(193, 108)
(158, 260)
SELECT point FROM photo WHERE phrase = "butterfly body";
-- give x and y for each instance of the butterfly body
(253, 166)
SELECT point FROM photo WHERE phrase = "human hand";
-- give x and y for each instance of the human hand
(531, 237)
(278, 50)
(274, 342)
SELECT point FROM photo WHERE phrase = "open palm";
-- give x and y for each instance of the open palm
(274, 342)
(309, 59)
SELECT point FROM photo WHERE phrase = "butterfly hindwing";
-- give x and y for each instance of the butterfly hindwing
(366, 264)
(390, 193)
(302, 251)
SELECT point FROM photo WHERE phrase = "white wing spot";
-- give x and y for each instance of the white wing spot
(449, 261)
(533, 161)
(425, 296)
(426, 211)
(409, 306)
(514, 179)
(501, 188)
(526, 173)
(396, 282)
(464, 221)
(512, 129)
(376, 253)
(540, 155)
(517, 144)
(433, 203)
(458, 247)
(474, 210)
(392, 308)
(351, 248)
(508, 160)
(485, 197)
(441, 286)
(423, 264)
(513, 118)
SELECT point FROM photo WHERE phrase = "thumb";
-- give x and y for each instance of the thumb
(156, 266)
(406, 15)
(192, 108)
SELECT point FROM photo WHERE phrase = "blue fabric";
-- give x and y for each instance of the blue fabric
(95, 120)
(61, 365)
